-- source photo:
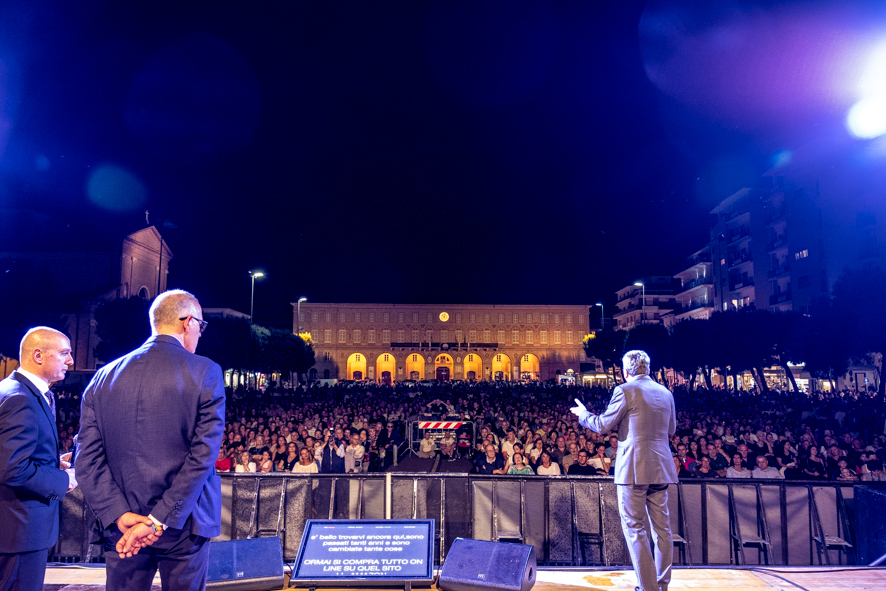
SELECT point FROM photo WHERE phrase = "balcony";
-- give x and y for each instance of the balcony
(704, 257)
(780, 242)
(742, 257)
(709, 280)
(779, 270)
(741, 284)
(426, 346)
(735, 236)
(776, 215)
(692, 306)
(778, 298)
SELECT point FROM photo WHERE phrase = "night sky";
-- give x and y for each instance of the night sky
(483, 152)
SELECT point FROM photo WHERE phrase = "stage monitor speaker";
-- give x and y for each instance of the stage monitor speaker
(475, 565)
(870, 538)
(246, 565)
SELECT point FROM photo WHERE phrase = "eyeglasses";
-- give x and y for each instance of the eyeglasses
(203, 324)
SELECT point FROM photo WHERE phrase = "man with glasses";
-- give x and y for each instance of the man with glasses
(151, 426)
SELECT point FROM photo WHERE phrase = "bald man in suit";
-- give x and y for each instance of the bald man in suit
(32, 476)
(150, 429)
(642, 411)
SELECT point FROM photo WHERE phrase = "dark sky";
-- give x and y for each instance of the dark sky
(492, 152)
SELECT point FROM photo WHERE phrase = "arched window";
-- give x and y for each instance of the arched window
(143, 293)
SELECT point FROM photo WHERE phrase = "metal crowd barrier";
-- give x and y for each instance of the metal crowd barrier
(571, 521)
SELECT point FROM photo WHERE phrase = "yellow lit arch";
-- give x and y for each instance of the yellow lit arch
(443, 367)
(386, 368)
(415, 367)
(473, 367)
(501, 367)
(357, 366)
(529, 367)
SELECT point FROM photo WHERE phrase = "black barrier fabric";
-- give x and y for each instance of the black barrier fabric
(569, 521)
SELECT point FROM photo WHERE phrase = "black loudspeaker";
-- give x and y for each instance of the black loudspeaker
(246, 565)
(870, 506)
(475, 565)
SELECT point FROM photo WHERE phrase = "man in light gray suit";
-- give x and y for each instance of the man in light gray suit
(643, 413)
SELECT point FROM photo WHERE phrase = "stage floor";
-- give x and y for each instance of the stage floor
(696, 579)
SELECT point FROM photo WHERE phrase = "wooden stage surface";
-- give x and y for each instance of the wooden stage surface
(696, 579)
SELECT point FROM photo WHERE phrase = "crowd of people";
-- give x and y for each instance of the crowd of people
(510, 428)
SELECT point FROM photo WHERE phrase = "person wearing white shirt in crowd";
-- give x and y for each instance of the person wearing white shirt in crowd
(507, 447)
(305, 463)
(546, 467)
(737, 469)
(354, 455)
(245, 463)
(764, 470)
(427, 448)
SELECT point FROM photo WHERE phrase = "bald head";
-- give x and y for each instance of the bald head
(169, 307)
(46, 353)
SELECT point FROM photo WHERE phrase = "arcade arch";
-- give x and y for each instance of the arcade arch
(443, 367)
(385, 368)
(501, 367)
(415, 367)
(473, 367)
(356, 367)
(529, 367)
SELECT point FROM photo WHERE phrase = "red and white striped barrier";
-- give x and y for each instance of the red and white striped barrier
(439, 425)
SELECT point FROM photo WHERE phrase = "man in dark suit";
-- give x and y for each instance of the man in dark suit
(643, 413)
(31, 481)
(150, 429)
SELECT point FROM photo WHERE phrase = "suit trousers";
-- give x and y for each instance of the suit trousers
(639, 505)
(183, 562)
(23, 571)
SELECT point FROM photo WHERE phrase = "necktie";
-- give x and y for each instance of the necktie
(50, 395)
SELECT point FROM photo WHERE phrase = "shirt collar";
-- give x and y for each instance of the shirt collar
(41, 384)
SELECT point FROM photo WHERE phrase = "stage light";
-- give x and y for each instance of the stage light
(867, 118)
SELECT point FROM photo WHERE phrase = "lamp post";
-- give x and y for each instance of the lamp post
(643, 313)
(253, 274)
(602, 315)
(298, 304)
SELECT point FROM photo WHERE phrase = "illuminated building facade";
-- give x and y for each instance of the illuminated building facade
(392, 342)
(695, 296)
(633, 310)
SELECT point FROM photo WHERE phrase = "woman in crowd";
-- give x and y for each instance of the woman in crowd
(267, 464)
(546, 467)
(813, 465)
(536, 450)
(244, 463)
(279, 449)
(518, 465)
(787, 462)
(693, 450)
(599, 459)
(305, 464)
(289, 460)
(737, 469)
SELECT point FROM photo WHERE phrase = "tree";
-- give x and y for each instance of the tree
(823, 345)
(122, 324)
(278, 350)
(226, 341)
(690, 349)
(607, 346)
(655, 340)
(857, 292)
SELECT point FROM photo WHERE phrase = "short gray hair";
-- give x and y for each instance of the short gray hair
(171, 305)
(636, 363)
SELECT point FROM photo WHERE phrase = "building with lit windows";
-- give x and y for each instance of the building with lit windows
(694, 298)
(634, 309)
(392, 342)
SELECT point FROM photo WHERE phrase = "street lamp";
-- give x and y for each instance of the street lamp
(602, 315)
(643, 313)
(254, 274)
(300, 300)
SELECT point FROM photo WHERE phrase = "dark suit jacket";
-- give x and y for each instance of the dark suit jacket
(31, 482)
(150, 428)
